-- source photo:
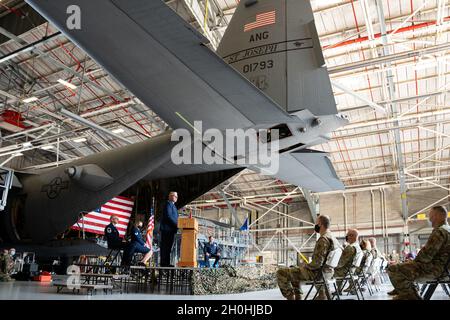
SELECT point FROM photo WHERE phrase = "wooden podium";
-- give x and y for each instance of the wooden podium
(188, 251)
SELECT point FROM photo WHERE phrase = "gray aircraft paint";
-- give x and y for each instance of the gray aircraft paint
(283, 59)
(172, 71)
(54, 199)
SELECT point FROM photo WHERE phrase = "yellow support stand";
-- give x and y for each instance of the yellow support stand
(189, 231)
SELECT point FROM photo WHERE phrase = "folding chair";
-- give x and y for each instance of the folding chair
(383, 276)
(429, 287)
(324, 277)
(352, 278)
(374, 273)
(363, 276)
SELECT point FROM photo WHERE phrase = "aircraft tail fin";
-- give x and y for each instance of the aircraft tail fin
(275, 45)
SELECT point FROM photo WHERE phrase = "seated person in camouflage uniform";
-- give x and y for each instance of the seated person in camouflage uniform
(429, 263)
(6, 266)
(367, 256)
(289, 279)
(348, 255)
(365, 262)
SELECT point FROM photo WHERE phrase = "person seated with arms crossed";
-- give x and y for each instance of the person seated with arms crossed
(211, 250)
(429, 263)
(289, 279)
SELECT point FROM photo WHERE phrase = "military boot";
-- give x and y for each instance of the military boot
(409, 295)
(321, 296)
(289, 296)
(393, 292)
(297, 295)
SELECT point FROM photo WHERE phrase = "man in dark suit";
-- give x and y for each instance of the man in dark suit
(168, 229)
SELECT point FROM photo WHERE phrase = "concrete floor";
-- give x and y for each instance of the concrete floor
(20, 290)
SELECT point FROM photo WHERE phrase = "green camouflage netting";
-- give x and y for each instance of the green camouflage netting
(234, 280)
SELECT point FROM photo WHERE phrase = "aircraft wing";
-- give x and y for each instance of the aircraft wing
(310, 169)
(162, 60)
(307, 168)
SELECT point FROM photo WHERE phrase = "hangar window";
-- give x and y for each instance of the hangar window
(283, 132)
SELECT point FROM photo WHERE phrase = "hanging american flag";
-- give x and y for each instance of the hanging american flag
(262, 20)
(96, 221)
(150, 228)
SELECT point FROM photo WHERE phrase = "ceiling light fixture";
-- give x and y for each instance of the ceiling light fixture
(119, 130)
(30, 99)
(67, 84)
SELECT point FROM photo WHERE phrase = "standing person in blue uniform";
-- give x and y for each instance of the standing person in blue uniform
(211, 250)
(112, 235)
(168, 228)
(137, 245)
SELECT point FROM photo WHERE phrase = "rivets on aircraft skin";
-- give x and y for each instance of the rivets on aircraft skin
(316, 122)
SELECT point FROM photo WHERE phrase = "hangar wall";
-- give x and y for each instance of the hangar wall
(374, 212)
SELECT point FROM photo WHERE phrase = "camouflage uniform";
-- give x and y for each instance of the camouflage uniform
(346, 261)
(6, 263)
(289, 278)
(429, 263)
(227, 279)
(367, 255)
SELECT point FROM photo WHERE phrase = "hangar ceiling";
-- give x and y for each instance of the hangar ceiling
(387, 60)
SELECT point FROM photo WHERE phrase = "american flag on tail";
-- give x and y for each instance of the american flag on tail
(96, 221)
(262, 20)
(150, 228)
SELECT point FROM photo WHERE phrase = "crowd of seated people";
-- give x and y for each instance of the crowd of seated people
(358, 259)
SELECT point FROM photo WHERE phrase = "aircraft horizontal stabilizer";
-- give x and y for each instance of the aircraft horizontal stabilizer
(309, 169)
